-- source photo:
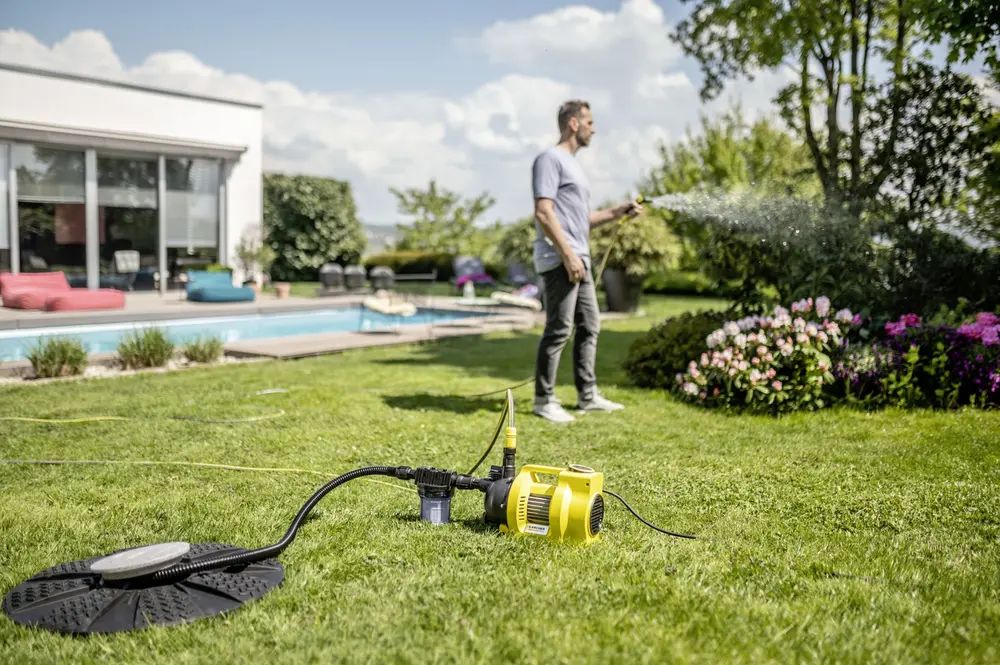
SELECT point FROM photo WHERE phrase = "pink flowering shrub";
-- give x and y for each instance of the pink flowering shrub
(919, 365)
(769, 364)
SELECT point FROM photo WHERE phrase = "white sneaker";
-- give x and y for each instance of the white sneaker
(552, 411)
(598, 402)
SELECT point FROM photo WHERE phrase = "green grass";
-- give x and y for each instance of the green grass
(832, 537)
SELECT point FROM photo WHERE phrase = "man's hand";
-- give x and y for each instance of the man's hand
(574, 266)
(630, 208)
(613, 213)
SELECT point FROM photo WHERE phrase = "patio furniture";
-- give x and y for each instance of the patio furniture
(331, 276)
(50, 291)
(354, 277)
(397, 311)
(517, 274)
(127, 264)
(471, 269)
(516, 300)
(206, 286)
(382, 277)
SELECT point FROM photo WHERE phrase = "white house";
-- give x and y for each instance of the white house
(93, 171)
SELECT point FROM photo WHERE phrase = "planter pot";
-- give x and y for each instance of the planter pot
(282, 289)
(622, 291)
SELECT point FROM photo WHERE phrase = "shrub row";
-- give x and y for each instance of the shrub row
(810, 356)
(66, 356)
(411, 262)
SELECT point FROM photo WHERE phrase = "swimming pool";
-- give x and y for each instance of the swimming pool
(98, 338)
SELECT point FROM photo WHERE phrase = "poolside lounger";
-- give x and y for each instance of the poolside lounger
(50, 291)
(206, 286)
(385, 306)
(517, 301)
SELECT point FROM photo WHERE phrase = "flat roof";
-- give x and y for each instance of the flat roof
(34, 71)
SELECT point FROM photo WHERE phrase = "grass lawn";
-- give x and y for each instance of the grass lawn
(832, 537)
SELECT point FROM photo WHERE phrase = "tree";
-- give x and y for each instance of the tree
(730, 155)
(310, 221)
(943, 163)
(971, 26)
(830, 44)
(443, 222)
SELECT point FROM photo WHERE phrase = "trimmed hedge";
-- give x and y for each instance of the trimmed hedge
(409, 262)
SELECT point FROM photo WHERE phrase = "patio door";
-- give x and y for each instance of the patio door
(128, 222)
(51, 211)
(5, 207)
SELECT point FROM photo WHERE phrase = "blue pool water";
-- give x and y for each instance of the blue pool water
(14, 344)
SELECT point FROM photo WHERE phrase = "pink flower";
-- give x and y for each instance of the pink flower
(856, 320)
(776, 385)
(822, 306)
(971, 330)
(991, 336)
(910, 320)
(987, 319)
(895, 329)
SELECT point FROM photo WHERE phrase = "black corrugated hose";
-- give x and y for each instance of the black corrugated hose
(183, 570)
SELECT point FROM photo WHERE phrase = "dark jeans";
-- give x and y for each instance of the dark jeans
(567, 304)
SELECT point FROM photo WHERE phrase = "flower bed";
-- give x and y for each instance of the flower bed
(808, 358)
(926, 365)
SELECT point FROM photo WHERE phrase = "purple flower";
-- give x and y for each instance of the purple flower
(991, 336)
(987, 319)
(895, 329)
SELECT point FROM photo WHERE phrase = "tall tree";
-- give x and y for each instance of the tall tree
(730, 155)
(972, 28)
(830, 44)
(442, 221)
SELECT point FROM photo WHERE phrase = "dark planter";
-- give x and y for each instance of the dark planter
(382, 277)
(621, 291)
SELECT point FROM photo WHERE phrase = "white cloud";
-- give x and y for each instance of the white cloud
(483, 140)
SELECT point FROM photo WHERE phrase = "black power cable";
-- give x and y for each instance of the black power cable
(644, 521)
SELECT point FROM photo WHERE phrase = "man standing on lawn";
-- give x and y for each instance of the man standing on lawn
(563, 220)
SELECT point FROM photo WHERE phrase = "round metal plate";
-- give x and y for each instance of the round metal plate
(71, 598)
(140, 561)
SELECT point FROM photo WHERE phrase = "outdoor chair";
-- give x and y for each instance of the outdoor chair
(471, 269)
(210, 286)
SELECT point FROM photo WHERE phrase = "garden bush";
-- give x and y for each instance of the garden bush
(781, 250)
(411, 262)
(811, 357)
(310, 221)
(149, 348)
(770, 364)
(681, 283)
(57, 356)
(919, 365)
(654, 359)
(203, 350)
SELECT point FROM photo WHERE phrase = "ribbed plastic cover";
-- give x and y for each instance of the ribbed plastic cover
(70, 598)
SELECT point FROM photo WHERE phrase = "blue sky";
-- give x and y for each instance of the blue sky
(392, 44)
(387, 94)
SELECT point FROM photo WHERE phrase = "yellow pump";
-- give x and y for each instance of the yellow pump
(570, 509)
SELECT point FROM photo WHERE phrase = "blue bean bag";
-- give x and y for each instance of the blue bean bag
(204, 286)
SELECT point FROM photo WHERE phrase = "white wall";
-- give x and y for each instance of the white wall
(71, 104)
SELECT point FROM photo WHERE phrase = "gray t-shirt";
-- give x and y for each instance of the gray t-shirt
(556, 174)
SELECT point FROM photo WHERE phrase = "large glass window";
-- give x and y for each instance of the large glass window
(129, 222)
(192, 211)
(4, 209)
(51, 213)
